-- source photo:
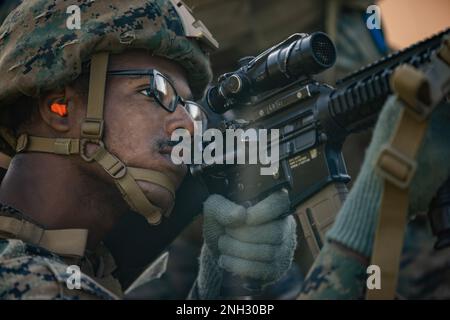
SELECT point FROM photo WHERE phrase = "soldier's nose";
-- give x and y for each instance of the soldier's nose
(179, 119)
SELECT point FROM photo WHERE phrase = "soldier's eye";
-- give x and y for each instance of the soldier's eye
(146, 92)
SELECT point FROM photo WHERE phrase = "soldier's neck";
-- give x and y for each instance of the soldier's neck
(53, 191)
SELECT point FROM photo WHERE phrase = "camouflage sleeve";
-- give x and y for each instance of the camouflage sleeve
(24, 279)
(425, 272)
(36, 278)
(425, 275)
(335, 274)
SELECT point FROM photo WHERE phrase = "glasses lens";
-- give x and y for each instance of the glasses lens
(165, 92)
(198, 114)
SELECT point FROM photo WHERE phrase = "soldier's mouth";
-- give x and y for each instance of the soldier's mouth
(166, 147)
(166, 150)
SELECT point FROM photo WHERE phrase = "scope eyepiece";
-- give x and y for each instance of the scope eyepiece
(231, 85)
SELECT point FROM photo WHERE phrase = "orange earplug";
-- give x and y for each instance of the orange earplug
(59, 108)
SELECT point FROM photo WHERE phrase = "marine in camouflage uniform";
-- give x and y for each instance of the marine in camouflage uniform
(68, 205)
(39, 53)
(340, 272)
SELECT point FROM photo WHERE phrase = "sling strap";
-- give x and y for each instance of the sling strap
(419, 92)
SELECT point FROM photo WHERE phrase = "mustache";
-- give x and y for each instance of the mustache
(164, 143)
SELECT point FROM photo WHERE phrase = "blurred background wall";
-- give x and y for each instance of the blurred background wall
(407, 21)
(245, 27)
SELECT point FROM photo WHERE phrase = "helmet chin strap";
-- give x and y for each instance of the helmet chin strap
(92, 127)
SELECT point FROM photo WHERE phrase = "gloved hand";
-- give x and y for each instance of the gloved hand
(251, 243)
(356, 222)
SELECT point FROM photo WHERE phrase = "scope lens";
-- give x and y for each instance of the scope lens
(323, 49)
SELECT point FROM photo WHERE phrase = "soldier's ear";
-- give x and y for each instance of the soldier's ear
(54, 110)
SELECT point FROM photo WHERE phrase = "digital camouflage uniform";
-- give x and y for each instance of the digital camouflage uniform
(28, 271)
(31, 272)
(6, 7)
(424, 271)
(37, 53)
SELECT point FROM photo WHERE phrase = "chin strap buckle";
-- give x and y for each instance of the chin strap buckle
(92, 128)
(22, 143)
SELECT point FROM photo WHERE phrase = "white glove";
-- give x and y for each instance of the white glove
(251, 243)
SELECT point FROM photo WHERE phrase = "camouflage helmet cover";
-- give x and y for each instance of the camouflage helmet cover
(39, 52)
(6, 6)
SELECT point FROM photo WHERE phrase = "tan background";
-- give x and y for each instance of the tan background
(407, 21)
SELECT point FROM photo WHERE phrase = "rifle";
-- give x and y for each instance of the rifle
(279, 89)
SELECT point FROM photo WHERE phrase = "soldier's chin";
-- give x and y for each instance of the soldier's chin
(158, 196)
